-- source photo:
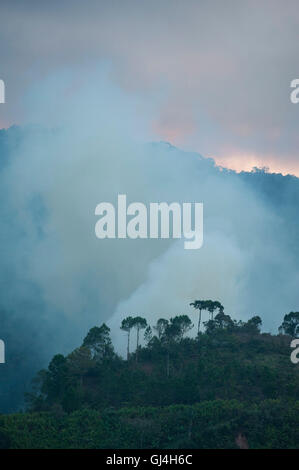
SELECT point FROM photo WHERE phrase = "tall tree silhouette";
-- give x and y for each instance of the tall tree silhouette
(212, 306)
(199, 305)
(126, 325)
(139, 323)
(148, 335)
(160, 327)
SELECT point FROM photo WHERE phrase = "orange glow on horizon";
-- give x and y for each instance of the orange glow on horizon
(246, 162)
(230, 158)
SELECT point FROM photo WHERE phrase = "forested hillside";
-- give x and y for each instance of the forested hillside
(230, 386)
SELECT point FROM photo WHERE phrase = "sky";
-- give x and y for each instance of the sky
(215, 75)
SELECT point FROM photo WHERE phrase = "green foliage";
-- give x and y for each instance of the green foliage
(209, 305)
(290, 324)
(140, 324)
(232, 360)
(182, 324)
(99, 343)
(206, 392)
(215, 424)
(161, 327)
(148, 334)
(126, 325)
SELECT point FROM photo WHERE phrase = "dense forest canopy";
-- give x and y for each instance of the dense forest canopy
(236, 382)
(182, 368)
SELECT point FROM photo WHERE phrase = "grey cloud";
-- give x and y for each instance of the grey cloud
(220, 72)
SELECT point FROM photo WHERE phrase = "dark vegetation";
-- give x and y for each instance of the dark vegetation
(229, 387)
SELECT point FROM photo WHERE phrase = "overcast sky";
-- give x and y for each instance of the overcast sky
(219, 72)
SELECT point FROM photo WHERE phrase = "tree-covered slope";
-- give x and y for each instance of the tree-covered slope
(231, 386)
(216, 424)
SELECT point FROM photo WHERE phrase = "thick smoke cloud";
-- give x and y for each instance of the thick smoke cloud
(58, 279)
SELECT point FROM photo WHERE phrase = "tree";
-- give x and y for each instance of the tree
(220, 322)
(126, 325)
(254, 324)
(223, 321)
(171, 332)
(139, 323)
(290, 324)
(182, 324)
(55, 380)
(212, 306)
(210, 326)
(148, 335)
(98, 341)
(199, 305)
(160, 327)
(79, 362)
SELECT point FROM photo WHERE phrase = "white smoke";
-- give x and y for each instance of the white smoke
(98, 149)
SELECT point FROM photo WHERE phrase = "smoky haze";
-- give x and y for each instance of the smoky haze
(223, 68)
(89, 143)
